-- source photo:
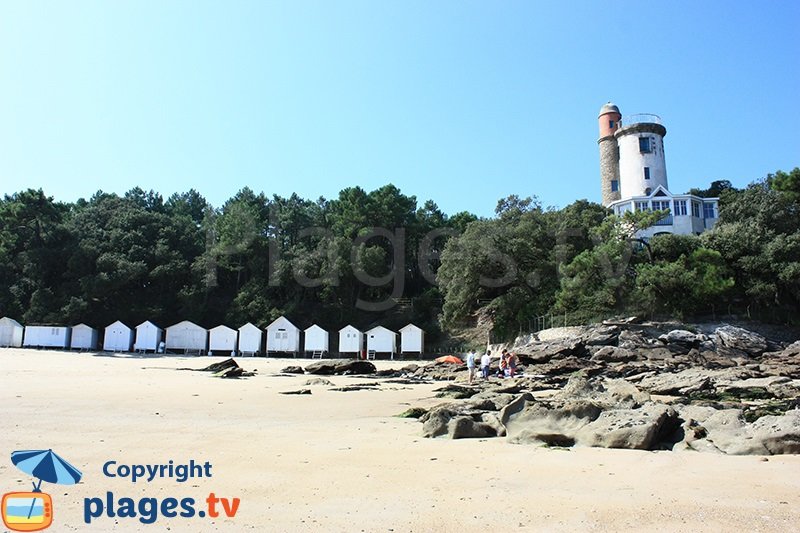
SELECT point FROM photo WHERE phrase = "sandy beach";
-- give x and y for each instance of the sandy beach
(341, 461)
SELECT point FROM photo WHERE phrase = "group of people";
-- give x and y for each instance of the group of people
(507, 367)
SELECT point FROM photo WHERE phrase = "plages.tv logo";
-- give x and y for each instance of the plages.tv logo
(33, 511)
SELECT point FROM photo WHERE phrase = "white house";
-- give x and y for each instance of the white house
(412, 339)
(118, 338)
(187, 337)
(47, 336)
(316, 341)
(250, 339)
(83, 338)
(222, 339)
(381, 340)
(283, 336)
(11, 333)
(148, 337)
(633, 175)
(351, 340)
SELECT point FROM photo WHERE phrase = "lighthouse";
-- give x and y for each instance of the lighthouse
(609, 153)
(633, 174)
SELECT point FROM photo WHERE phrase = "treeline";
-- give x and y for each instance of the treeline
(361, 258)
(377, 257)
(585, 264)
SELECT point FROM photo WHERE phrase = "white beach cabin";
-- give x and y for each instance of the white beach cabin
(148, 337)
(250, 339)
(381, 340)
(222, 339)
(187, 337)
(351, 340)
(118, 338)
(47, 336)
(83, 338)
(316, 341)
(412, 339)
(11, 333)
(283, 336)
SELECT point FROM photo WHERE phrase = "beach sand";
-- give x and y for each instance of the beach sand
(341, 461)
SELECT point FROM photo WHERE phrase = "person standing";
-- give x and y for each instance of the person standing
(486, 361)
(512, 364)
(471, 365)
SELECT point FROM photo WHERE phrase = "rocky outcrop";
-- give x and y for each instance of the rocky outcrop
(734, 341)
(340, 366)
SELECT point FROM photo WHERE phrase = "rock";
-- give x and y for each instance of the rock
(682, 337)
(690, 381)
(636, 429)
(632, 340)
(778, 434)
(222, 365)
(612, 354)
(293, 369)
(455, 391)
(734, 341)
(465, 427)
(299, 391)
(340, 366)
(496, 400)
(605, 393)
(602, 336)
(534, 423)
(457, 421)
(319, 382)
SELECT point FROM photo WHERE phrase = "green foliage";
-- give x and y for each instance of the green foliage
(377, 257)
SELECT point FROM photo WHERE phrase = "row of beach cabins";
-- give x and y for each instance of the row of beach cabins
(282, 337)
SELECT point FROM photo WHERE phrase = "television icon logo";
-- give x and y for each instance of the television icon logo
(27, 511)
(33, 511)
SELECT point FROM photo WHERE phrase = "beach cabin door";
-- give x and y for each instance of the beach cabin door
(280, 341)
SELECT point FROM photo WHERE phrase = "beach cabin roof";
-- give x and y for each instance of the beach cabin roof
(282, 323)
(117, 325)
(315, 329)
(380, 330)
(411, 327)
(222, 328)
(250, 327)
(5, 321)
(147, 324)
(350, 328)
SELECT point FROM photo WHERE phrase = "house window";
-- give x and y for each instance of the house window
(660, 205)
(647, 173)
(642, 206)
(614, 185)
(708, 211)
(644, 145)
(696, 209)
(611, 124)
(680, 207)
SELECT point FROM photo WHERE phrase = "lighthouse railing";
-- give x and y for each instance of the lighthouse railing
(641, 118)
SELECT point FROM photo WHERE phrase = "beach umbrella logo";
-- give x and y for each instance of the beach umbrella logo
(33, 511)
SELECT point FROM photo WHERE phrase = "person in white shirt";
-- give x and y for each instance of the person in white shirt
(486, 360)
(471, 365)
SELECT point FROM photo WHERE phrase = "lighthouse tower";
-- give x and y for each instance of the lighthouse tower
(608, 121)
(642, 166)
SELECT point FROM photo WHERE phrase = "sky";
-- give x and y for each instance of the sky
(462, 102)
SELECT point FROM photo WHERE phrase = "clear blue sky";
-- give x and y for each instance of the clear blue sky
(461, 102)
